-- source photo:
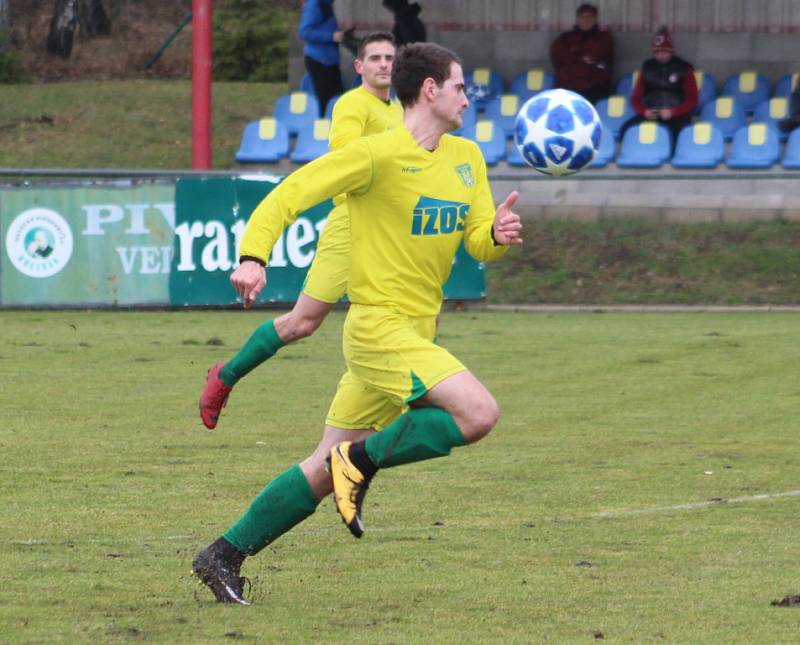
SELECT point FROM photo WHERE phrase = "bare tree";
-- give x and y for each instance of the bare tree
(67, 16)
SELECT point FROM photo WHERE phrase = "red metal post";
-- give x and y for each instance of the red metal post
(201, 84)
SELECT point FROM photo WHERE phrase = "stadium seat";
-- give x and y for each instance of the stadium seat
(786, 84)
(645, 145)
(772, 112)
(754, 146)
(483, 84)
(514, 156)
(606, 151)
(329, 107)
(312, 142)
(614, 112)
(263, 141)
(526, 84)
(626, 82)
(748, 88)
(490, 139)
(706, 88)
(700, 145)
(791, 155)
(503, 111)
(296, 109)
(726, 114)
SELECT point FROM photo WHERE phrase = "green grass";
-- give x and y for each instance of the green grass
(110, 485)
(122, 124)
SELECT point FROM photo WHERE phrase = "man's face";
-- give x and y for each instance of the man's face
(450, 99)
(662, 56)
(586, 20)
(376, 66)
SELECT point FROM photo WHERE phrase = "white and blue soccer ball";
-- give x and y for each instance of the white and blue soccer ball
(558, 132)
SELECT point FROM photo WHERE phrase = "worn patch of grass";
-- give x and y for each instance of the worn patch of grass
(639, 261)
(122, 124)
(110, 485)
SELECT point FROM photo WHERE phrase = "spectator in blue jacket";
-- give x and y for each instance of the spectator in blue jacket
(320, 32)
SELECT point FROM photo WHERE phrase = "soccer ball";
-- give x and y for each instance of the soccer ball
(558, 132)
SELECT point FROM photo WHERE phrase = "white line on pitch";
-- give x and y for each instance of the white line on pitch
(690, 506)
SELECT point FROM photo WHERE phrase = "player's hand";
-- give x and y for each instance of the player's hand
(651, 114)
(666, 114)
(507, 224)
(249, 280)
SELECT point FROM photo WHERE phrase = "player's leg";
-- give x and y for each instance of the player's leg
(418, 372)
(294, 495)
(326, 283)
(284, 502)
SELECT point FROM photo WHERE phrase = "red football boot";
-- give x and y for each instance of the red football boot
(214, 397)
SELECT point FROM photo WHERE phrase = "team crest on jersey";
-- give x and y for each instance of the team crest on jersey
(464, 172)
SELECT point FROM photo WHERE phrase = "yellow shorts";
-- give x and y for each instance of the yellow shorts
(391, 361)
(326, 280)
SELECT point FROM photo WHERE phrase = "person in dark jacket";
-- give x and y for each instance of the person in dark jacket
(665, 89)
(319, 30)
(583, 57)
(408, 28)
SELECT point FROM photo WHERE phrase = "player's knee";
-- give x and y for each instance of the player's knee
(482, 418)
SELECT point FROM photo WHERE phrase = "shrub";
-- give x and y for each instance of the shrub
(251, 40)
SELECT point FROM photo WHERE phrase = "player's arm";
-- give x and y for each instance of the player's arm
(348, 170)
(347, 123)
(489, 231)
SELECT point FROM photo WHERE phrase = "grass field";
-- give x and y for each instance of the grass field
(587, 512)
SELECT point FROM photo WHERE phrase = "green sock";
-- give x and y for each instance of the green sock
(287, 500)
(423, 433)
(259, 347)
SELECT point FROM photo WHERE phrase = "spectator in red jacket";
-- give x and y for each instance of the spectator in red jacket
(583, 57)
(665, 89)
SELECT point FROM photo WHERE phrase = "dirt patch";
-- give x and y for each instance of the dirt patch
(788, 601)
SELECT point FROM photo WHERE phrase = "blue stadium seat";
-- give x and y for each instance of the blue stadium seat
(329, 107)
(791, 155)
(786, 84)
(772, 112)
(263, 141)
(700, 145)
(503, 111)
(748, 88)
(706, 88)
(754, 146)
(482, 84)
(726, 114)
(626, 82)
(490, 139)
(614, 112)
(645, 145)
(606, 152)
(312, 142)
(296, 109)
(526, 84)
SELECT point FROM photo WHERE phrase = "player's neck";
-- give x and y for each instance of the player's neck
(425, 130)
(382, 94)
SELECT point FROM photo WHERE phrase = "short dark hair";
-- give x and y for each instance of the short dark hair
(374, 37)
(414, 63)
(586, 8)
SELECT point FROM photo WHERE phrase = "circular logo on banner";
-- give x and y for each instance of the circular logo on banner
(39, 242)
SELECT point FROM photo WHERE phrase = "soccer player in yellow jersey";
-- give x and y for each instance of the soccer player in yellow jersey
(413, 194)
(361, 111)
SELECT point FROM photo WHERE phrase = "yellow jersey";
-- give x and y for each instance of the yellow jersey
(409, 210)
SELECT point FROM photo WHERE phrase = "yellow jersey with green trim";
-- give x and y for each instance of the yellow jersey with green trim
(409, 210)
(359, 113)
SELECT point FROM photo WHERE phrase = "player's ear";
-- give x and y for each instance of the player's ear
(359, 66)
(429, 88)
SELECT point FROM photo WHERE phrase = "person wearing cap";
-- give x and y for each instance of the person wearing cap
(583, 57)
(665, 89)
